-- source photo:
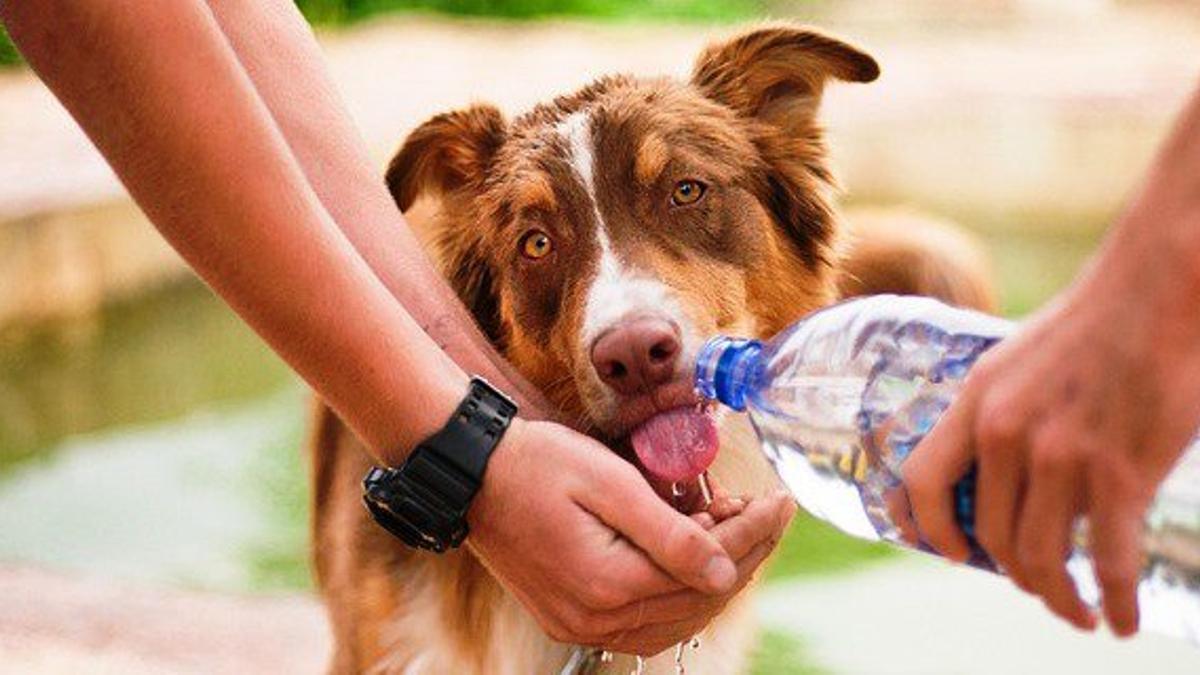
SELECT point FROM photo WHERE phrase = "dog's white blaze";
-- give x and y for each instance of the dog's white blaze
(576, 129)
(617, 292)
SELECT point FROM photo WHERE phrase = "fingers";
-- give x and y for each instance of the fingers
(726, 508)
(1044, 532)
(678, 544)
(930, 474)
(763, 520)
(999, 492)
(671, 619)
(895, 500)
(1116, 544)
(748, 538)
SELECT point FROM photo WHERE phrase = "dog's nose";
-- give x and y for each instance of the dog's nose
(637, 355)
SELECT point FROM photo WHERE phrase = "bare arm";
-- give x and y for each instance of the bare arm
(1086, 409)
(179, 121)
(278, 51)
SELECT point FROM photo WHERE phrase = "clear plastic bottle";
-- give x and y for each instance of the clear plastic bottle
(841, 398)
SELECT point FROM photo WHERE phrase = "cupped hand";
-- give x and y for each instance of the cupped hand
(1082, 413)
(581, 539)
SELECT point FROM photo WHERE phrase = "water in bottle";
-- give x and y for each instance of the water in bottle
(841, 398)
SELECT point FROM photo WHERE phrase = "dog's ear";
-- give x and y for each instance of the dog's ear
(446, 154)
(774, 77)
(776, 74)
(448, 157)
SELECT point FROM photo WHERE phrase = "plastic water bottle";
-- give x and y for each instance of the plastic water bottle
(842, 397)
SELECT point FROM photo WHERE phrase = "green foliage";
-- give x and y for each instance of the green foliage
(150, 358)
(814, 547)
(8, 53)
(779, 653)
(345, 11)
(280, 480)
(338, 11)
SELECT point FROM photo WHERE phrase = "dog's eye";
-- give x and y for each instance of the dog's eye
(536, 244)
(687, 192)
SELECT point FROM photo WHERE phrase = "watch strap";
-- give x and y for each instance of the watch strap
(425, 501)
(473, 431)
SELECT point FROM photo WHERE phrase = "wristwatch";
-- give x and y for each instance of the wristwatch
(425, 501)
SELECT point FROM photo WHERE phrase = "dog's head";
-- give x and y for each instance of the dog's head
(601, 238)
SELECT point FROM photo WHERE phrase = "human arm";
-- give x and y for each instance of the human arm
(161, 93)
(1084, 411)
(277, 49)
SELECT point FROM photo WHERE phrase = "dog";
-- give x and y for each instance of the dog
(599, 240)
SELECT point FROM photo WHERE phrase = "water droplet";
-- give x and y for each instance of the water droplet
(695, 642)
(606, 656)
(679, 669)
(677, 490)
(704, 489)
(639, 666)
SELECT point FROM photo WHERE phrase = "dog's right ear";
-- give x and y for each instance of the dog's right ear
(448, 158)
(447, 154)
(777, 73)
(775, 76)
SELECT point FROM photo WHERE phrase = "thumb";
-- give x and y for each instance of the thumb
(678, 544)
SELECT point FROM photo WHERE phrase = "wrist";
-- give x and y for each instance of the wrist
(426, 409)
(1146, 293)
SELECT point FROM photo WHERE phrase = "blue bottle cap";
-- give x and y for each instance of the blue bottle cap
(724, 367)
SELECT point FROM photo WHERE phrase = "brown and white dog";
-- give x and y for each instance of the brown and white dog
(598, 240)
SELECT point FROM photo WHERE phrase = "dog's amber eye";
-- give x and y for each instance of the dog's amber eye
(687, 192)
(536, 244)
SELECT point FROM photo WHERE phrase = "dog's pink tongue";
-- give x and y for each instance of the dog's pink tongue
(676, 445)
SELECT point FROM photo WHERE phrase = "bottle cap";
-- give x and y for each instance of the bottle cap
(724, 368)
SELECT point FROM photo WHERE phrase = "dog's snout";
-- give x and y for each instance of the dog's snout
(637, 355)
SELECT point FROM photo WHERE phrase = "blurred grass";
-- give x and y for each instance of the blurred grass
(779, 653)
(154, 357)
(8, 53)
(342, 11)
(814, 547)
(279, 481)
(334, 12)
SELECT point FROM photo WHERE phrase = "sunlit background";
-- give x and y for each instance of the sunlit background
(151, 465)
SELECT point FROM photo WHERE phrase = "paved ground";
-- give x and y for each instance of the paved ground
(922, 616)
(912, 617)
(50, 623)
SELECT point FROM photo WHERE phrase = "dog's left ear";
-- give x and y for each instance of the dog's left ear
(448, 157)
(777, 74)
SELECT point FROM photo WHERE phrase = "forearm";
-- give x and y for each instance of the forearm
(278, 51)
(1160, 230)
(162, 96)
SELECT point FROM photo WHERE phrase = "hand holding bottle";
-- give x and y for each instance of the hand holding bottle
(1085, 410)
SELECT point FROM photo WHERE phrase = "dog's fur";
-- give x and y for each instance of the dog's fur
(595, 172)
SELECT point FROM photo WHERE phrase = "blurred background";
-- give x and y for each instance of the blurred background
(153, 497)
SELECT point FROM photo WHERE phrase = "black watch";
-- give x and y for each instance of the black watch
(425, 501)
